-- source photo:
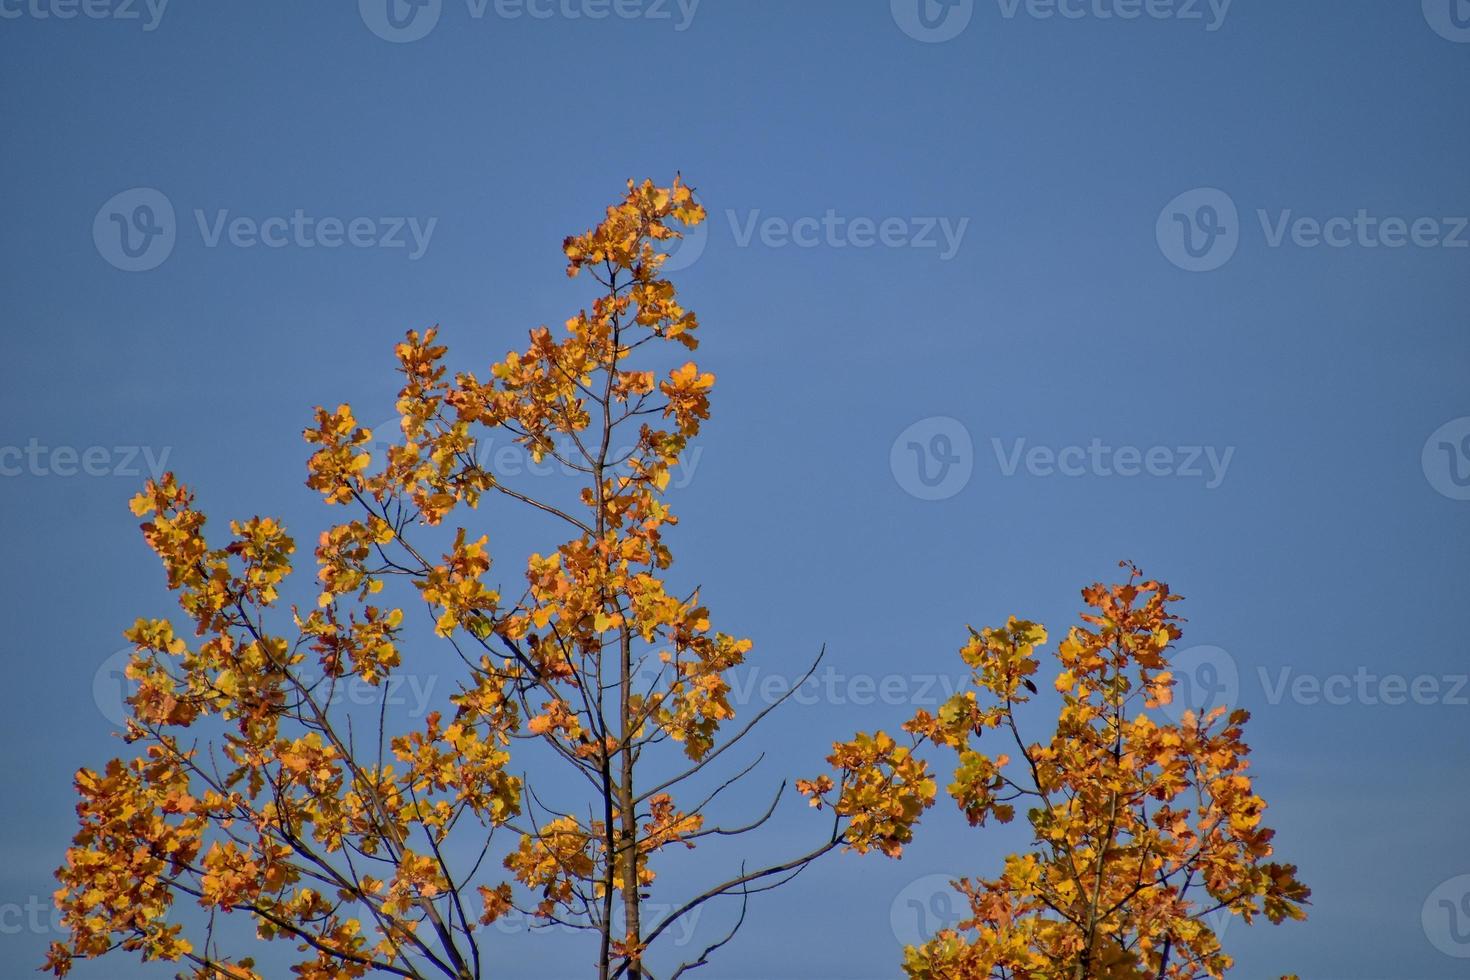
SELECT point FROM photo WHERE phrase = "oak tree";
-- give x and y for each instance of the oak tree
(1144, 829)
(371, 850)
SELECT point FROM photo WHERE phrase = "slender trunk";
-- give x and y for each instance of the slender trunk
(1083, 970)
(624, 856)
(604, 960)
(627, 807)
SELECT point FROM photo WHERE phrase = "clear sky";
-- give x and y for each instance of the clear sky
(995, 299)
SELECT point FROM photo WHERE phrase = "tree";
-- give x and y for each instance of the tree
(255, 793)
(1142, 828)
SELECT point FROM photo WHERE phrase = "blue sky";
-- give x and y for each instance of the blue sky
(993, 303)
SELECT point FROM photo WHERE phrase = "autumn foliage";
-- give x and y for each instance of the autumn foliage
(1142, 828)
(368, 843)
(251, 793)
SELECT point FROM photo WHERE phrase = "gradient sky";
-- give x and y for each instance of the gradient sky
(1294, 412)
